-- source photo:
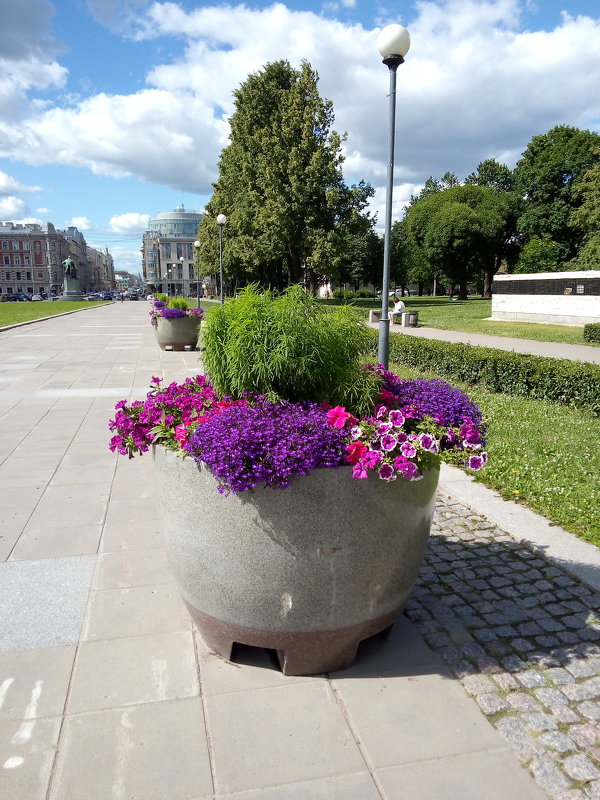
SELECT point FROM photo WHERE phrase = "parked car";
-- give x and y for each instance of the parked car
(134, 297)
(36, 296)
(106, 296)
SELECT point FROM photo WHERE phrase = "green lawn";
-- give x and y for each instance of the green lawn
(12, 313)
(543, 455)
(471, 316)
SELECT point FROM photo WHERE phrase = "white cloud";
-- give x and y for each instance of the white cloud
(11, 208)
(129, 223)
(126, 258)
(473, 86)
(81, 223)
(8, 185)
(43, 210)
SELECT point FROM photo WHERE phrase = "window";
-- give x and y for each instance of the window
(7, 275)
(179, 249)
(15, 245)
(25, 245)
(17, 261)
(18, 276)
(180, 271)
(9, 290)
(52, 245)
(6, 261)
(580, 289)
(27, 261)
(40, 274)
(28, 275)
(5, 245)
(167, 248)
(192, 272)
(30, 289)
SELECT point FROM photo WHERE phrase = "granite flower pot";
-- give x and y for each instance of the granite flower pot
(309, 571)
(177, 333)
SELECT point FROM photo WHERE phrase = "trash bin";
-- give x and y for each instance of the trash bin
(412, 319)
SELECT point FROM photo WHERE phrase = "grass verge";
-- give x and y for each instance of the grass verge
(13, 313)
(471, 315)
(543, 455)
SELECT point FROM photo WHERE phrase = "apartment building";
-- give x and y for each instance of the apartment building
(168, 254)
(31, 257)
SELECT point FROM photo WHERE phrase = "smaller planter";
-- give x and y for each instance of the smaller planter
(178, 333)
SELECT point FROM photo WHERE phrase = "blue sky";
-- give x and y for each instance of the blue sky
(113, 110)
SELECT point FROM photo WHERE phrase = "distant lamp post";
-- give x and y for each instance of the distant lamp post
(221, 220)
(169, 273)
(393, 43)
(182, 259)
(197, 264)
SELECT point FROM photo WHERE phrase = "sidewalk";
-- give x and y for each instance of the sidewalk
(107, 693)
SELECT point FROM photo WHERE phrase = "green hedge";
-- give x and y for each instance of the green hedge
(571, 383)
(591, 332)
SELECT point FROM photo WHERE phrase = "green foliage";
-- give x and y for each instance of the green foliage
(290, 347)
(591, 332)
(281, 183)
(178, 302)
(493, 174)
(530, 448)
(14, 313)
(539, 254)
(571, 383)
(547, 176)
(462, 230)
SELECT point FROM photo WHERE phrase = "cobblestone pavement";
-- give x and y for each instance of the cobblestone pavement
(523, 637)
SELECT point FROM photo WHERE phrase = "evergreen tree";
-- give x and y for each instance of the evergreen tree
(281, 185)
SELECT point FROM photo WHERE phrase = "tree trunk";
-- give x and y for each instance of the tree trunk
(462, 291)
(296, 272)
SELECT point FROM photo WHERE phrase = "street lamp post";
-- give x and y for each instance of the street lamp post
(221, 220)
(393, 43)
(197, 265)
(182, 259)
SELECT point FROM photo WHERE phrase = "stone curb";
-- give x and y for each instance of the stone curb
(578, 558)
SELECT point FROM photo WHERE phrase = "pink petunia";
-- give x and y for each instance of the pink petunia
(355, 451)
(338, 416)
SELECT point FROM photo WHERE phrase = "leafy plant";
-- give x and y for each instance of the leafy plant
(591, 332)
(560, 381)
(289, 347)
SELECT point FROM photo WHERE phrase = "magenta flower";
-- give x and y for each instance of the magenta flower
(338, 416)
(429, 443)
(397, 419)
(388, 442)
(359, 472)
(386, 473)
(408, 450)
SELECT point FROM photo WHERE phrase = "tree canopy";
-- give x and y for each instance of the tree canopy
(547, 176)
(281, 185)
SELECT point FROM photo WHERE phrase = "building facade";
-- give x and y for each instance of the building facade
(169, 257)
(31, 258)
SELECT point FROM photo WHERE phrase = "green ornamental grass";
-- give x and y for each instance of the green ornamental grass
(289, 347)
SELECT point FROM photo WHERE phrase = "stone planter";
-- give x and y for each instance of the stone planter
(178, 333)
(309, 571)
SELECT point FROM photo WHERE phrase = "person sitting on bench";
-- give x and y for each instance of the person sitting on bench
(398, 310)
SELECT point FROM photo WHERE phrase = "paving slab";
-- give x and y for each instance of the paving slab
(135, 670)
(152, 751)
(42, 603)
(34, 683)
(282, 734)
(27, 754)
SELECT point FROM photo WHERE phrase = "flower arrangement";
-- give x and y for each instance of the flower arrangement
(254, 440)
(171, 308)
(247, 431)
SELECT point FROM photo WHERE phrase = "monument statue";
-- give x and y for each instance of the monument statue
(70, 268)
(71, 282)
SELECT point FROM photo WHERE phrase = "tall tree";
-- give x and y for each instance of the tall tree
(586, 218)
(493, 174)
(362, 259)
(461, 231)
(546, 177)
(280, 182)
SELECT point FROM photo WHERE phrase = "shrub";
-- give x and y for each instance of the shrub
(288, 347)
(591, 332)
(364, 293)
(571, 383)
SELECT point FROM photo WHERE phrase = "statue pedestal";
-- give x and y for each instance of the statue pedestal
(71, 289)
